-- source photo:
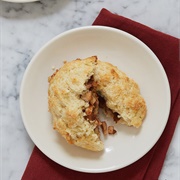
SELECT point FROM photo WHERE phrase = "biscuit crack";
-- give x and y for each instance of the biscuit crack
(96, 101)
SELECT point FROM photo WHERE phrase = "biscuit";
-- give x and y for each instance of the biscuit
(77, 90)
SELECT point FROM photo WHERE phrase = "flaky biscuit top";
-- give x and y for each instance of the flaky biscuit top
(66, 85)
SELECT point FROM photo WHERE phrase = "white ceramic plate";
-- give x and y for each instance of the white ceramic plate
(20, 1)
(131, 56)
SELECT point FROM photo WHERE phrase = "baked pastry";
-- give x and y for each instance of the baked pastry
(79, 88)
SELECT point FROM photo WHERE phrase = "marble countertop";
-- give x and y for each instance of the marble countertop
(24, 30)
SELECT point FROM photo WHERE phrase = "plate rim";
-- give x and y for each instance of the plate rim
(155, 58)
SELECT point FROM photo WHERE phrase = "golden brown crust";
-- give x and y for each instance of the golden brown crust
(121, 93)
(66, 87)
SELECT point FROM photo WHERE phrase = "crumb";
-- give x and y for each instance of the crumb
(53, 68)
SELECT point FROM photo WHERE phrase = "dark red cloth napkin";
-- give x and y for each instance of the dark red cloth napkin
(149, 166)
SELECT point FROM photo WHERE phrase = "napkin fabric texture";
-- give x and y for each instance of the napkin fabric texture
(149, 166)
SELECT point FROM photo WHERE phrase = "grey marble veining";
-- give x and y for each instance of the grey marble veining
(25, 28)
